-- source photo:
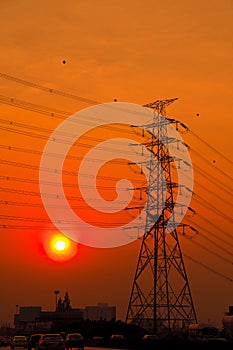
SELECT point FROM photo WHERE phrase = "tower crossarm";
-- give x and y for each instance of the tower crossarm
(160, 105)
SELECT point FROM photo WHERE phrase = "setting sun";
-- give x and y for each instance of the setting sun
(60, 245)
(59, 248)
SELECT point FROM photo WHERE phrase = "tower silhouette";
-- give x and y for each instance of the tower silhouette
(160, 299)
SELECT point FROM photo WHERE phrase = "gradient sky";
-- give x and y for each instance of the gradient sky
(135, 51)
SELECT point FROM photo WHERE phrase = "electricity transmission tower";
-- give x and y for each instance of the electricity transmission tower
(161, 298)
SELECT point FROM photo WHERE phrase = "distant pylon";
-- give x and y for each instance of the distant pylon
(160, 299)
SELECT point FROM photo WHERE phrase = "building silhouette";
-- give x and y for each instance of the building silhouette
(100, 312)
(228, 323)
(32, 319)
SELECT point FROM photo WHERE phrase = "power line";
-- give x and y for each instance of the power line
(89, 101)
(74, 174)
(55, 113)
(213, 180)
(47, 89)
(45, 130)
(207, 249)
(65, 222)
(215, 226)
(55, 196)
(34, 107)
(210, 164)
(64, 141)
(26, 180)
(70, 185)
(82, 207)
(57, 155)
(200, 170)
(211, 147)
(62, 133)
(222, 240)
(21, 204)
(208, 268)
(65, 172)
(40, 205)
(24, 150)
(213, 208)
(213, 193)
(36, 168)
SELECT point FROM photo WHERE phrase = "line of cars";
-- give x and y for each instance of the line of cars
(53, 341)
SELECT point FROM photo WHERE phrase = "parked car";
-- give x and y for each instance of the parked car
(150, 337)
(97, 337)
(117, 337)
(74, 340)
(149, 341)
(4, 342)
(214, 340)
(19, 341)
(50, 341)
(33, 340)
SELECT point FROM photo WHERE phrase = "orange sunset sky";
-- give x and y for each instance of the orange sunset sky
(132, 51)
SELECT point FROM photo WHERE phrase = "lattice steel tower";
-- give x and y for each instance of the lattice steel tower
(160, 299)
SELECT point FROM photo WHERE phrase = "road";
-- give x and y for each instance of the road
(86, 348)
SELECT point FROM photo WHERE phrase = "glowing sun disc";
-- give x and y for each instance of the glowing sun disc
(59, 248)
(60, 245)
